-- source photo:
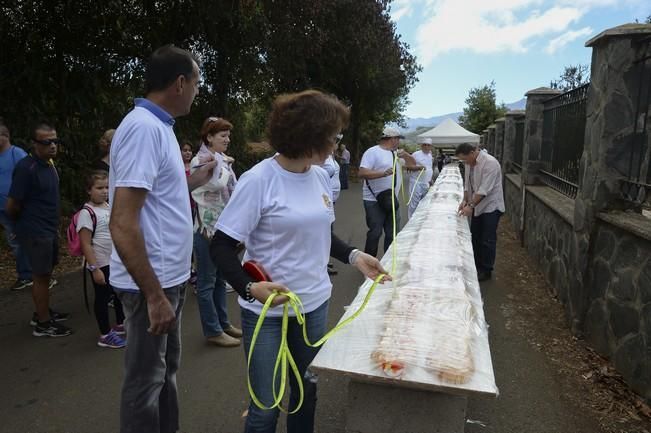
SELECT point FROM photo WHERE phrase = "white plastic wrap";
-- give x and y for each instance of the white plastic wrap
(427, 327)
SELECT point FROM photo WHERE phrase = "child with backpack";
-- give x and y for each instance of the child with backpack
(92, 226)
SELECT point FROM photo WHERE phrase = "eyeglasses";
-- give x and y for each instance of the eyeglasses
(214, 119)
(48, 142)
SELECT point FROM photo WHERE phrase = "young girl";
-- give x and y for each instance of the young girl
(187, 154)
(97, 251)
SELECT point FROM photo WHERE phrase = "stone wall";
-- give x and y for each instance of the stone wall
(513, 199)
(547, 238)
(595, 256)
(618, 320)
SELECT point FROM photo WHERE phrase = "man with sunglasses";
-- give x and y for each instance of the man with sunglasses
(34, 205)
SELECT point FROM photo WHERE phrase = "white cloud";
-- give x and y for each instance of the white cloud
(494, 26)
(401, 8)
(564, 39)
(401, 12)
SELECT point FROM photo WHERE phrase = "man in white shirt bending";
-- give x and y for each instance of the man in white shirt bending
(376, 170)
(422, 177)
(484, 201)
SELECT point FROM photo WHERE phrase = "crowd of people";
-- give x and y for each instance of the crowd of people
(148, 220)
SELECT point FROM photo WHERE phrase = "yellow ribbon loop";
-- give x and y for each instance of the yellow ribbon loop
(284, 356)
(414, 187)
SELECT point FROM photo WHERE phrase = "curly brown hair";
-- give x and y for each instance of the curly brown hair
(306, 123)
(213, 125)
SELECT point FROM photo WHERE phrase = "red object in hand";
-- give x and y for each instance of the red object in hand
(256, 271)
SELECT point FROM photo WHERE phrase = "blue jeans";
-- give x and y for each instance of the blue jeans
(262, 369)
(23, 268)
(417, 193)
(377, 221)
(343, 175)
(211, 291)
(484, 239)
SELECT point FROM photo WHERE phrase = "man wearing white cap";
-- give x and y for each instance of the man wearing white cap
(376, 170)
(422, 176)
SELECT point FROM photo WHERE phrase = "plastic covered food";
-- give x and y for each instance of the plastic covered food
(426, 328)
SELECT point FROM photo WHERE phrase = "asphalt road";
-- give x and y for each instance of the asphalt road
(69, 385)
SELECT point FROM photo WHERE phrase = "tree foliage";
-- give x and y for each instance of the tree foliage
(573, 76)
(80, 64)
(481, 109)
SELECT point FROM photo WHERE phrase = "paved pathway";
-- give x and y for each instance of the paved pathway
(70, 385)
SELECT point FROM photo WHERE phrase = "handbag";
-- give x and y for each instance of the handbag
(384, 199)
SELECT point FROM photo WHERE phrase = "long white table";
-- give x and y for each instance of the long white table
(434, 263)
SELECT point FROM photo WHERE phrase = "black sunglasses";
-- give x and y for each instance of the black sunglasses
(48, 142)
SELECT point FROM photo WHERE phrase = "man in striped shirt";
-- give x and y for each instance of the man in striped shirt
(484, 201)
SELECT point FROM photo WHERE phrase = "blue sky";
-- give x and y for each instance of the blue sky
(520, 44)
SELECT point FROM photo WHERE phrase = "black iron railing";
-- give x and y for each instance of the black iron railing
(636, 188)
(518, 147)
(564, 119)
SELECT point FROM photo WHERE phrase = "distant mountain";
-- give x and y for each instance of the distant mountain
(431, 122)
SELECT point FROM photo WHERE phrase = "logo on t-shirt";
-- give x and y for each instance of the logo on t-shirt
(326, 201)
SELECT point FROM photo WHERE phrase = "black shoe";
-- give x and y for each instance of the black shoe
(50, 329)
(54, 316)
(21, 285)
(483, 275)
(331, 269)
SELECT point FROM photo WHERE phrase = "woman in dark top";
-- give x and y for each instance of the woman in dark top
(104, 145)
(282, 208)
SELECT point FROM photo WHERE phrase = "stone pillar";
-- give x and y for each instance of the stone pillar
(533, 132)
(491, 139)
(508, 155)
(499, 139)
(612, 99)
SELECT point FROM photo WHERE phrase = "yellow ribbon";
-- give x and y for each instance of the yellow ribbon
(415, 183)
(284, 356)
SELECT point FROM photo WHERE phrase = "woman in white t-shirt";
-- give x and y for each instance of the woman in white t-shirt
(210, 200)
(282, 210)
(96, 244)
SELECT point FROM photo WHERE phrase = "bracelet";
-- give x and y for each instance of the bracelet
(352, 257)
(472, 205)
(91, 268)
(247, 293)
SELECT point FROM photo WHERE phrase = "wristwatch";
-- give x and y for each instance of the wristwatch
(91, 268)
(472, 205)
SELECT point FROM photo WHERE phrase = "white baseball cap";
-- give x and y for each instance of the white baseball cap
(425, 141)
(389, 132)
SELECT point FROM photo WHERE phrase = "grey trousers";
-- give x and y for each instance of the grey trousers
(149, 394)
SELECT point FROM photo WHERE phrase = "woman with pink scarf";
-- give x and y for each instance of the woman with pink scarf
(211, 200)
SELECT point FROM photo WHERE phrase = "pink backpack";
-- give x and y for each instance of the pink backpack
(74, 242)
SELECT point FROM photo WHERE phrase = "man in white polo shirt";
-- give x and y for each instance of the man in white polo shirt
(376, 170)
(151, 227)
(422, 177)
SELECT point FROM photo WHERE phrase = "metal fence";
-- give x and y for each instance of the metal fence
(564, 119)
(518, 148)
(637, 186)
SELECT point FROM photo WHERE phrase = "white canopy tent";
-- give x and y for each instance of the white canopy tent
(449, 133)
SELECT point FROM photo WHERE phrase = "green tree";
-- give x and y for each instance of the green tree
(481, 109)
(573, 76)
(80, 64)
